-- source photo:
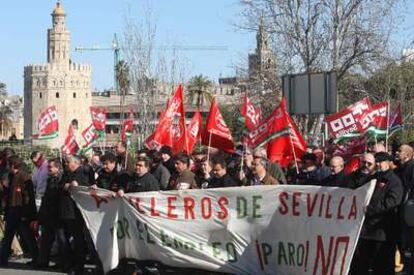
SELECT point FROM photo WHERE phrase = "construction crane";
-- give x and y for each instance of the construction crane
(116, 49)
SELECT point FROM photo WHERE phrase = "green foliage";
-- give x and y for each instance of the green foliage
(198, 89)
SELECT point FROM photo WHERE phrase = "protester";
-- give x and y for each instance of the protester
(70, 216)
(323, 170)
(39, 175)
(186, 178)
(142, 180)
(221, 177)
(261, 175)
(338, 177)
(308, 175)
(96, 163)
(365, 173)
(376, 246)
(48, 216)
(20, 210)
(159, 171)
(205, 176)
(168, 161)
(109, 178)
(274, 169)
(125, 161)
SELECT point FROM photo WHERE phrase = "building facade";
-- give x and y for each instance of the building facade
(59, 82)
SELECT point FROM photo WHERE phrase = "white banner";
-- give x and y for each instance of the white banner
(244, 230)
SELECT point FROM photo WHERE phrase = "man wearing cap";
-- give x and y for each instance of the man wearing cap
(376, 246)
(309, 173)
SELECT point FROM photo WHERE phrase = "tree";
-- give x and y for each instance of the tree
(122, 77)
(314, 35)
(149, 69)
(198, 88)
(5, 109)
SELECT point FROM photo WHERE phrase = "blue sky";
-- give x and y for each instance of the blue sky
(24, 24)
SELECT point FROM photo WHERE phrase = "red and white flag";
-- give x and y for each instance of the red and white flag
(284, 147)
(171, 126)
(71, 146)
(89, 135)
(47, 124)
(98, 118)
(252, 115)
(127, 127)
(194, 131)
(216, 133)
(349, 121)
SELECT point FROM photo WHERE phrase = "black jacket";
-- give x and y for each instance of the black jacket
(162, 175)
(381, 212)
(49, 209)
(338, 180)
(358, 179)
(406, 173)
(67, 207)
(112, 181)
(224, 181)
(144, 183)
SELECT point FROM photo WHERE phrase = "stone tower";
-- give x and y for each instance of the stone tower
(60, 82)
(262, 64)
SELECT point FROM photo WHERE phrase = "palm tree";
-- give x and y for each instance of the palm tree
(199, 90)
(122, 77)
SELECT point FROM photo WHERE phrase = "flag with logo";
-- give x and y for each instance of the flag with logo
(194, 131)
(216, 133)
(127, 127)
(71, 146)
(250, 114)
(47, 124)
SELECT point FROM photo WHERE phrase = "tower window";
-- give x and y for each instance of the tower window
(40, 95)
(86, 95)
(57, 95)
(74, 95)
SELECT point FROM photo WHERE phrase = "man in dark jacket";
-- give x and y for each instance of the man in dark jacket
(20, 210)
(159, 171)
(69, 214)
(142, 180)
(109, 178)
(309, 172)
(48, 216)
(365, 172)
(338, 178)
(125, 161)
(405, 171)
(374, 251)
(221, 178)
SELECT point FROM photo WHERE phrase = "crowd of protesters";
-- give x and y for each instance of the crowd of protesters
(39, 210)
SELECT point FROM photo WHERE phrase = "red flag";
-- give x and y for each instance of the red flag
(127, 127)
(281, 148)
(348, 122)
(167, 132)
(47, 124)
(89, 135)
(216, 133)
(71, 146)
(98, 118)
(250, 113)
(353, 146)
(194, 131)
(275, 125)
(352, 165)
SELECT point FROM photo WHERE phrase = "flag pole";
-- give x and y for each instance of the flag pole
(293, 151)
(208, 150)
(388, 118)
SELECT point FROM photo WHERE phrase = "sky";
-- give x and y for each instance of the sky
(24, 24)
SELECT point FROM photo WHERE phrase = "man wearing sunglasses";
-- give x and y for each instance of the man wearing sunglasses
(366, 171)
